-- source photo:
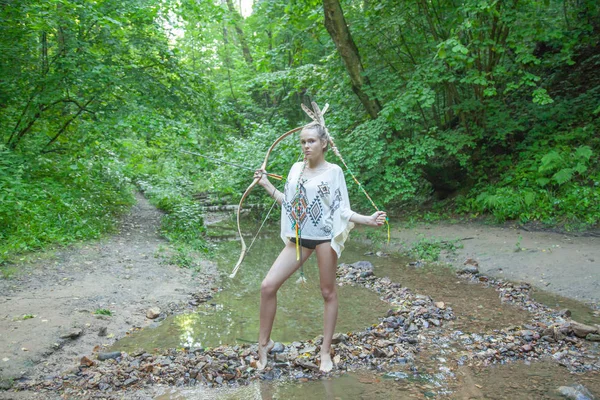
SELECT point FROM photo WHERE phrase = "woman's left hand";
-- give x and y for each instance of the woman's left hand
(378, 218)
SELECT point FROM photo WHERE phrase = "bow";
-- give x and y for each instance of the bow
(248, 190)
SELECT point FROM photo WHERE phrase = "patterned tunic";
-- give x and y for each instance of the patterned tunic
(320, 204)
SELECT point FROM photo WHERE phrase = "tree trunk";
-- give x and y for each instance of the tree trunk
(338, 30)
(240, 33)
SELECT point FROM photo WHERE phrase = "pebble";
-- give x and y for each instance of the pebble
(575, 392)
(278, 347)
(72, 334)
(153, 313)
(108, 356)
(593, 337)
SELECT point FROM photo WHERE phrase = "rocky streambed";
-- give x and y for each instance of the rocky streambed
(416, 335)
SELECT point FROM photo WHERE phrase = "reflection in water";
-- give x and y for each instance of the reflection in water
(540, 380)
(358, 385)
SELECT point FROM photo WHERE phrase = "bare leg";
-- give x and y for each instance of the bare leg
(327, 260)
(283, 267)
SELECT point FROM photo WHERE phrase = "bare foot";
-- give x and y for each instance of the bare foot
(262, 355)
(326, 363)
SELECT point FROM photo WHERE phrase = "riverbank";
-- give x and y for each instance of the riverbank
(60, 307)
(564, 264)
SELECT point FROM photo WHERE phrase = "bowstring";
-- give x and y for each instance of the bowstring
(267, 217)
(360, 186)
(261, 225)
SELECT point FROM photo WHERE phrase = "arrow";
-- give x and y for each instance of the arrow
(218, 160)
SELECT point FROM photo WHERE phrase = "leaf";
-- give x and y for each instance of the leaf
(529, 198)
(541, 97)
(584, 152)
(563, 176)
(581, 168)
(550, 161)
(542, 181)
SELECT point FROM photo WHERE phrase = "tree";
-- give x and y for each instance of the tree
(340, 34)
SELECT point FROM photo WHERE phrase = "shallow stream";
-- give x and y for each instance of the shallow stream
(231, 317)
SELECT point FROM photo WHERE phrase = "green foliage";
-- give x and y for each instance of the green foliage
(183, 222)
(103, 311)
(490, 104)
(430, 249)
(42, 202)
(27, 316)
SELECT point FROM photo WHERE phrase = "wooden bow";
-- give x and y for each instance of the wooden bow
(254, 183)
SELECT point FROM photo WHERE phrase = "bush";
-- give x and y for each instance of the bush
(57, 200)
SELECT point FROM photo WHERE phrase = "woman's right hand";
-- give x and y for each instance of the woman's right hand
(262, 174)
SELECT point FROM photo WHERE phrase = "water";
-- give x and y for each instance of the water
(232, 317)
(579, 311)
(515, 381)
(358, 385)
(476, 308)
(521, 381)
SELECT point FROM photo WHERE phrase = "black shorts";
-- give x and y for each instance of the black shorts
(310, 243)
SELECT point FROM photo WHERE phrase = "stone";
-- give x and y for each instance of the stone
(308, 349)
(307, 365)
(362, 265)
(575, 392)
(280, 363)
(339, 338)
(153, 313)
(471, 261)
(86, 362)
(582, 330)
(526, 348)
(471, 269)
(564, 313)
(417, 264)
(165, 361)
(381, 353)
(396, 375)
(130, 381)
(593, 337)
(440, 304)
(108, 356)
(278, 347)
(72, 334)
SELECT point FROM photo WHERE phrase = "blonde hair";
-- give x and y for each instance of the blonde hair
(321, 132)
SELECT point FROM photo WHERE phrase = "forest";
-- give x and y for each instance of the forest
(442, 108)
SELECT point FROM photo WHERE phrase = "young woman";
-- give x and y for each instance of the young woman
(315, 209)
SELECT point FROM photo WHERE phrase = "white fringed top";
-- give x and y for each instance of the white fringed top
(320, 204)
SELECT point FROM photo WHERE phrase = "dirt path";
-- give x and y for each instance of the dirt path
(563, 264)
(61, 293)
